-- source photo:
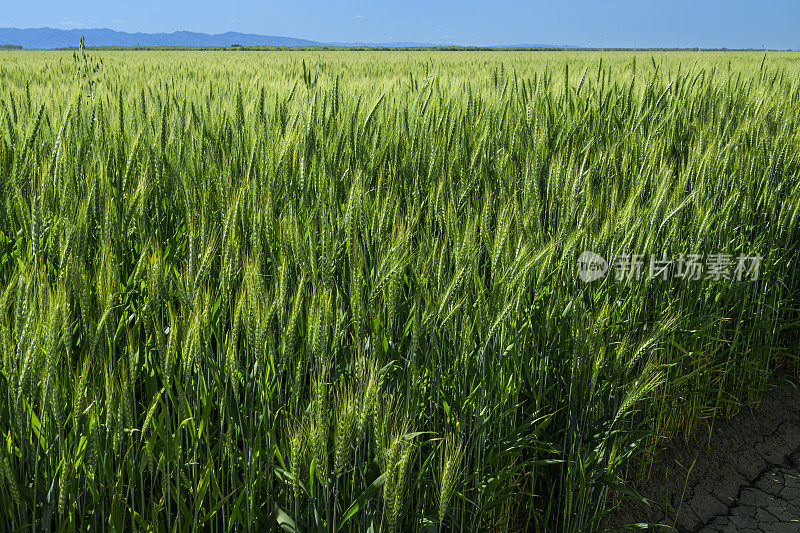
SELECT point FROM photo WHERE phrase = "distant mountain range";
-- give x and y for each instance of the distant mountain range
(57, 38)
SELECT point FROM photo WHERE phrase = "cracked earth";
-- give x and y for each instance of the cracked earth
(743, 476)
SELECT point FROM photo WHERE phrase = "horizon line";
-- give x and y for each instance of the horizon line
(408, 43)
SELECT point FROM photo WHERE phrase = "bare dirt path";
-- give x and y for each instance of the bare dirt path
(743, 477)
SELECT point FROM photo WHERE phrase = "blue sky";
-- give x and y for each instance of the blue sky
(603, 23)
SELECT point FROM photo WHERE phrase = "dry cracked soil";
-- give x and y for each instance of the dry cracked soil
(742, 476)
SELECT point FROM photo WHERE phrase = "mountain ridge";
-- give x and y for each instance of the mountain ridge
(48, 38)
(51, 38)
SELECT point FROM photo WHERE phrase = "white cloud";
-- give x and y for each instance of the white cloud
(360, 17)
(67, 23)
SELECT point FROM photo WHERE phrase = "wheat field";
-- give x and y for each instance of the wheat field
(338, 291)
